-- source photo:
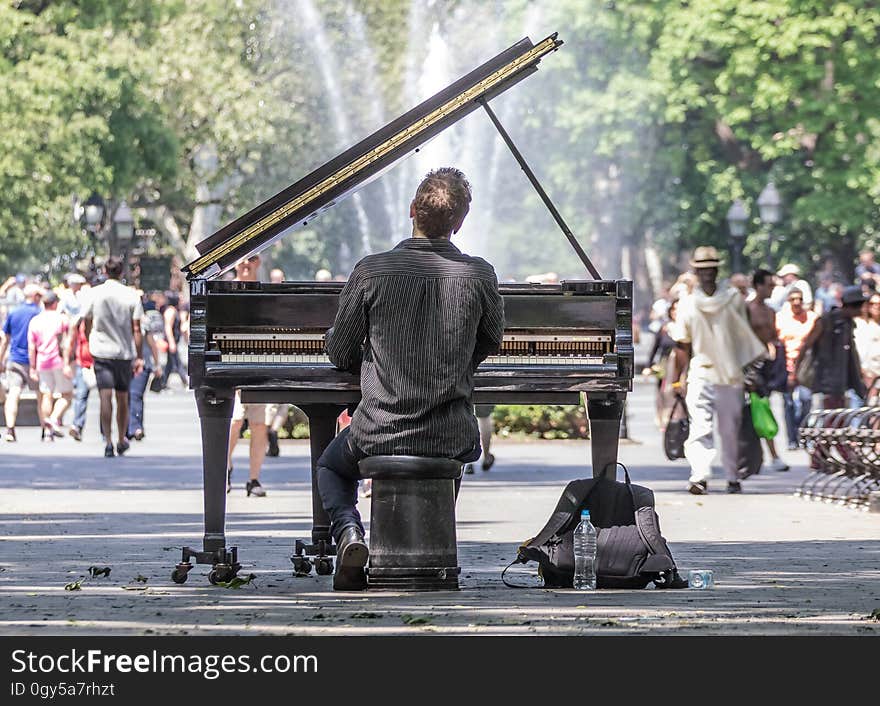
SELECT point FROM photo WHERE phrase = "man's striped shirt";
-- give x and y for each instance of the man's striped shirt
(418, 319)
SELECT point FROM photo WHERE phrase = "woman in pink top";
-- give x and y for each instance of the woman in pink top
(45, 332)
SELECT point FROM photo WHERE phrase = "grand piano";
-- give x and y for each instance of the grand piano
(561, 342)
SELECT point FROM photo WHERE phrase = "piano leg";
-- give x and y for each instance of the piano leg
(322, 430)
(605, 412)
(215, 413)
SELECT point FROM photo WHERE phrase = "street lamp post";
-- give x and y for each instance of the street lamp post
(113, 226)
(123, 226)
(770, 208)
(93, 211)
(736, 221)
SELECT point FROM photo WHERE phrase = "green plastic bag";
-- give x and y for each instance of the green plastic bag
(762, 416)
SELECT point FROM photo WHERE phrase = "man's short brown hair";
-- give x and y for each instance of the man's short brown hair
(113, 267)
(441, 201)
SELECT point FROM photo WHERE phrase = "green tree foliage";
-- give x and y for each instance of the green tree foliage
(647, 124)
(75, 118)
(788, 88)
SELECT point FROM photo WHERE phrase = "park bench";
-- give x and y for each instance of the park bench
(844, 448)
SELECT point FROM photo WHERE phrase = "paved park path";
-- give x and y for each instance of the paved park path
(782, 565)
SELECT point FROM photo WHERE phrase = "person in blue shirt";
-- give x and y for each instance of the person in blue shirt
(15, 343)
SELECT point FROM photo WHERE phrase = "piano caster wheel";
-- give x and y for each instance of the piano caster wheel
(221, 574)
(180, 573)
(301, 566)
(324, 566)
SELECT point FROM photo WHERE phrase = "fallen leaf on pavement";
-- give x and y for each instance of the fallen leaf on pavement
(416, 619)
(237, 581)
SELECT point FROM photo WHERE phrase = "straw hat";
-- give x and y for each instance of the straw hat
(704, 257)
(789, 269)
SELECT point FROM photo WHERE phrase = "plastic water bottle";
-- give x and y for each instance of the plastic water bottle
(585, 554)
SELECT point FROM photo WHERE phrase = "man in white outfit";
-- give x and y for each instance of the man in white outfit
(713, 333)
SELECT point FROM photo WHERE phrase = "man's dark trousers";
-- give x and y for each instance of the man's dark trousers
(338, 476)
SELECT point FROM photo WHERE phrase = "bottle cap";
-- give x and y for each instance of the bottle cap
(585, 513)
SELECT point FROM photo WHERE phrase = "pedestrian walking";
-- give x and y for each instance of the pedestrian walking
(45, 334)
(171, 315)
(661, 352)
(714, 335)
(793, 325)
(14, 355)
(246, 271)
(867, 338)
(79, 363)
(773, 373)
(152, 366)
(837, 365)
(483, 413)
(113, 315)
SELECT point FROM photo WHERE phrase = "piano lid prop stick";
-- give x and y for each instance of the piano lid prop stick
(543, 194)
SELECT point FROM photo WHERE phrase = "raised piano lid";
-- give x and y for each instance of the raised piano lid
(301, 202)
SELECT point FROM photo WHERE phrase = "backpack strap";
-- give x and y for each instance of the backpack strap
(629, 486)
(576, 494)
(519, 560)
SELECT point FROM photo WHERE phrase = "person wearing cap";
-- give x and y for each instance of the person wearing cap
(790, 275)
(15, 345)
(713, 335)
(71, 298)
(837, 364)
(45, 332)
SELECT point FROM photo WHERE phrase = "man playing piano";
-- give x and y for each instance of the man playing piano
(416, 321)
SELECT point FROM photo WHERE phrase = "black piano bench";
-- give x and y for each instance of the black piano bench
(412, 523)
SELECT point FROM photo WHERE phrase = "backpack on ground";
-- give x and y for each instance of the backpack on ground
(631, 552)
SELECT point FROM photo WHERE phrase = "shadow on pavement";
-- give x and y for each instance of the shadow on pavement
(761, 587)
(293, 473)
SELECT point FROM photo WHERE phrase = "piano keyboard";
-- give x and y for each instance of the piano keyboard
(306, 359)
(519, 349)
